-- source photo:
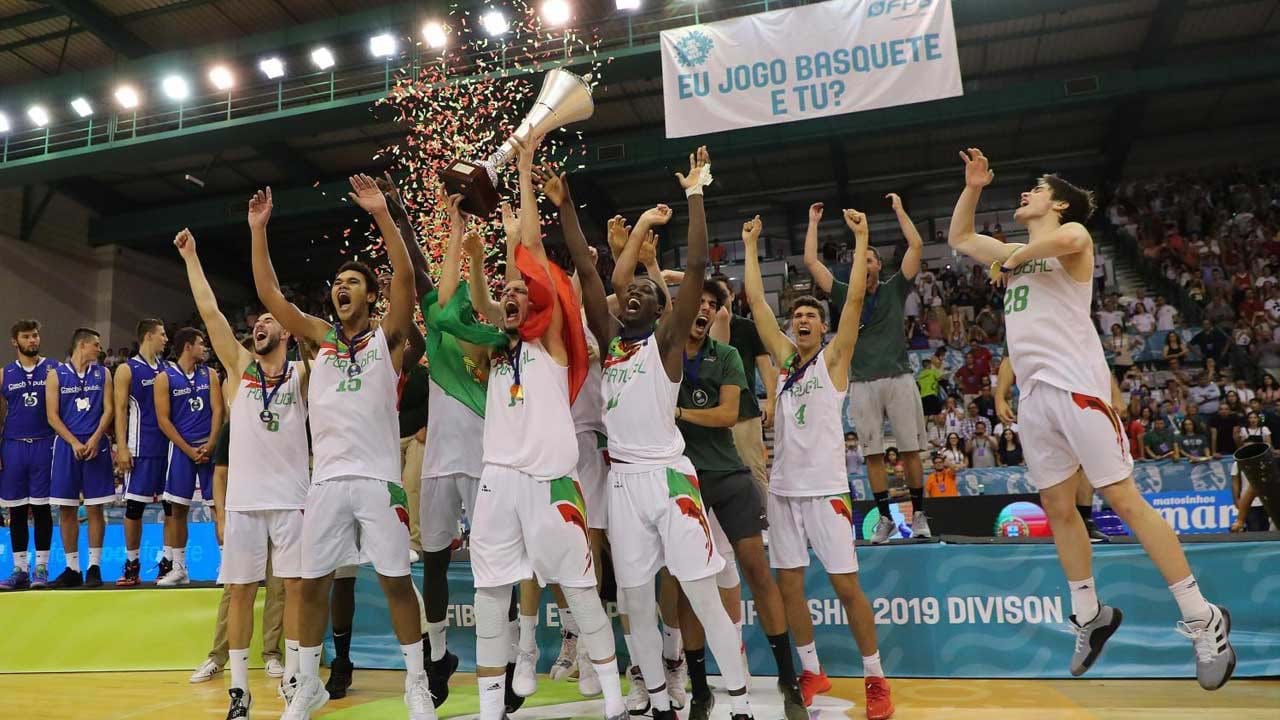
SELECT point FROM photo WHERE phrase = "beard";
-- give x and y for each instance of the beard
(30, 352)
(268, 345)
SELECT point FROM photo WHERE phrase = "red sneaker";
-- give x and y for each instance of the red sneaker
(813, 684)
(879, 704)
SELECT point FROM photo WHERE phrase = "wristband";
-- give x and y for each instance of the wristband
(704, 179)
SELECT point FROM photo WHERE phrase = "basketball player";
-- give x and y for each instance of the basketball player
(75, 397)
(266, 483)
(142, 451)
(188, 398)
(356, 473)
(1066, 422)
(809, 501)
(26, 451)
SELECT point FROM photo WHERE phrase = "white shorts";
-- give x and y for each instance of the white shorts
(593, 473)
(728, 576)
(246, 539)
(346, 572)
(525, 527)
(657, 518)
(825, 522)
(1062, 431)
(897, 397)
(353, 519)
(440, 508)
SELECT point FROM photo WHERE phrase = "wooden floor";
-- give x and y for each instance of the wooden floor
(168, 696)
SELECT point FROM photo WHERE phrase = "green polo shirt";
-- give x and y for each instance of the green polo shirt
(746, 340)
(711, 450)
(1158, 442)
(881, 351)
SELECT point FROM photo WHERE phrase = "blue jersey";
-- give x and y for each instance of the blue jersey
(23, 392)
(190, 409)
(145, 438)
(80, 399)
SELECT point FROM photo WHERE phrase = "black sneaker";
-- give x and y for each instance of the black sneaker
(165, 567)
(68, 579)
(241, 701)
(131, 577)
(700, 707)
(438, 674)
(512, 702)
(667, 714)
(339, 678)
(793, 702)
(1095, 535)
(93, 577)
(741, 716)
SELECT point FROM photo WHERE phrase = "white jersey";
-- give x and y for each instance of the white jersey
(355, 429)
(640, 405)
(529, 428)
(455, 437)
(1051, 336)
(809, 458)
(588, 409)
(268, 469)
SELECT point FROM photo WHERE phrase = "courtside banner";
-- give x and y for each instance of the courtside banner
(808, 62)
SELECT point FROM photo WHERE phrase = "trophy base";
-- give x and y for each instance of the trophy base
(473, 183)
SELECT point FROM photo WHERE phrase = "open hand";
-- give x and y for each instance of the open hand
(260, 208)
(699, 163)
(186, 243)
(388, 187)
(618, 233)
(977, 172)
(366, 194)
(657, 215)
(473, 245)
(649, 248)
(553, 186)
(510, 222)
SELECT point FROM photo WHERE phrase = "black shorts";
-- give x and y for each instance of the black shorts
(734, 499)
(931, 404)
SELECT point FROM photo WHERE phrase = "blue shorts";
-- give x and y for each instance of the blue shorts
(24, 471)
(145, 482)
(180, 480)
(72, 479)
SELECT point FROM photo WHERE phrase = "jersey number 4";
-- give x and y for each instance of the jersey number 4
(1015, 299)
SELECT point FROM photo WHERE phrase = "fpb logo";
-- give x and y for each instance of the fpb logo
(897, 8)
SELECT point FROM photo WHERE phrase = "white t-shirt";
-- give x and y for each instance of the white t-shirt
(1143, 322)
(1107, 318)
(1165, 317)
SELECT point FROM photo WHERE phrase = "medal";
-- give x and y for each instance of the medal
(517, 390)
(517, 393)
(352, 368)
(266, 416)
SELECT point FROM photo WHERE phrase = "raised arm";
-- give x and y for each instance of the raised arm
(962, 235)
(673, 329)
(230, 352)
(478, 285)
(649, 260)
(775, 342)
(511, 226)
(624, 269)
(399, 315)
(451, 272)
(286, 313)
(821, 273)
(915, 243)
(531, 239)
(120, 398)
(840, 351)
(601, 324)
(400, 214)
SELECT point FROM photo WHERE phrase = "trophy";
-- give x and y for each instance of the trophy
(565, 98)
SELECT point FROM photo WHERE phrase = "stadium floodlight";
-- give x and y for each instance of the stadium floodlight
(4, 123)
(628, 4)
(322, 57)
(383, 46)
(39, 116)
(272, 67)
(82, 107)
(175, 86)
(495, 23)
(556, 12)
(221, 77)
(127, 97)
(435, 35)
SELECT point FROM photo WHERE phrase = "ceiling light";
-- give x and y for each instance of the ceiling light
(221, 77)
(39, 116)
(435, 35)
(555, 12)
(322, 57)
(272, 67)
(4, 123)
(628, 4)
(82, 107)
(382, 45)
(127, 97)
(175, 86)
(494, 23)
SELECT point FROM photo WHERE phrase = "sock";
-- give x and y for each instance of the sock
(73, 561)
(568, 621)
(780, 644)
(1192, 604)
(882, 503)
(436, 636)
(528, 633)
(809, 658)
(493, 693)
(309, 660)
(1084, 599)
(239, 668)
(612, 687)
(290, 659)
(131, 555)
(1086, 511)
(180, 557)
(20, 561)
(513, 635)
(659, 699)
(917, 499)
(42, 558)
(740, 702)
(697, 660)
(631, 653)
(412, 658)
(871, 665)
(342, 643)
(670, 643)
(95, 556)
(168, 552)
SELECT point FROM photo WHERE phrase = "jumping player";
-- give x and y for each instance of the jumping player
(188, 400)
(355, 490)
(1065, 420)
(75, 396)
(266, 483)
(142, 451)
(25, 454)
(809, 502)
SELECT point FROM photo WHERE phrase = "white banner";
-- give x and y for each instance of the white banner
(808, 62)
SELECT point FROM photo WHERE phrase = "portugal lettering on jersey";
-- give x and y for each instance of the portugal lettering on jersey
(23, 392)
(809, 456)
(619, 370)
(80, 398)
(145, 438)
(190, 407)
(336, 353)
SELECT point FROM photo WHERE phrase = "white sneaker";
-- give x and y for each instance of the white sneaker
(677, 681)
(920, 525)
(175, 577)
(524, 682)
(417, 697)
(566, 663)
(588, 680)
(308, 696)
(638, 697)
(205, 672)
(274, 668)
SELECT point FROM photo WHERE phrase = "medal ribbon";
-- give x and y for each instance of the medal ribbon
(351, 344)
(800, 371)
(267, 397)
